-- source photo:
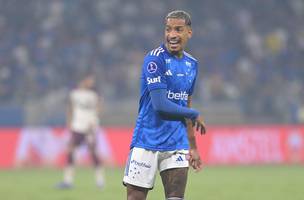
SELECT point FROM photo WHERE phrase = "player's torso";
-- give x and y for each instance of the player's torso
(180, 74)
(84, 106)
(151, 131)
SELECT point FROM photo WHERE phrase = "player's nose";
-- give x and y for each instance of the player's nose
(172, 36)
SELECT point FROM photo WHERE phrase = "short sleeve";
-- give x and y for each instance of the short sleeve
(154, 72)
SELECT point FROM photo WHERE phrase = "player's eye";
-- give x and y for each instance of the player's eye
(179, 29)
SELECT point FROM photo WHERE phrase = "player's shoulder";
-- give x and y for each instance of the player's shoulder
(156, 53)
(155, 59)
(82, 92)
(190, 57)
(74, 91)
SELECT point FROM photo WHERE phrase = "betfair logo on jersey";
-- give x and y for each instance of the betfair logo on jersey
(153, 80)
(177, 96)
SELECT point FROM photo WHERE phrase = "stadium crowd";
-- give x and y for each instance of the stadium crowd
(250, 52)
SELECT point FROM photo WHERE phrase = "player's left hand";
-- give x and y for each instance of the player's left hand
(200, 125)
(195, 160)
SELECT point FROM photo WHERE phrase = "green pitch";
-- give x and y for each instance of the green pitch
(213, 183)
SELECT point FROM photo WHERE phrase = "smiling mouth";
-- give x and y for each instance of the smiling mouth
(173, 43)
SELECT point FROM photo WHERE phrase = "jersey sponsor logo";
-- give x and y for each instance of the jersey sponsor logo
(177, 96)
(140, 164)
(153, 80)
(152, 67)
(168, 72)
(180, 74)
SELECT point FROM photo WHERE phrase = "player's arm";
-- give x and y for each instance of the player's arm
(194, 157)
(99, 106)
(190, 131)
(69, 114)
(168, 109)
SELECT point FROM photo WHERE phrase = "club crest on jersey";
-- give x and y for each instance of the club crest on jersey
(152, 67)
(188, 64)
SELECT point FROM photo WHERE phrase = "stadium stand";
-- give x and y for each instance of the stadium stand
(251, 59)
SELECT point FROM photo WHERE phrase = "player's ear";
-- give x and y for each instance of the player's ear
(189, 32)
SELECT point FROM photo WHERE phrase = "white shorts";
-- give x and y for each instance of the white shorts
(142, 165)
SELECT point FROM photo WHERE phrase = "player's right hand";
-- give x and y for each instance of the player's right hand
(200, 125)
(195, 160)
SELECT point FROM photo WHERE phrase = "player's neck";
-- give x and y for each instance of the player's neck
(178, 54)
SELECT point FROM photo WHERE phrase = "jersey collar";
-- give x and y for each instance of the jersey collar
(170, 54)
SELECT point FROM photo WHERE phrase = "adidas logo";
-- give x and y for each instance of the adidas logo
(179, 158)
(168, 72)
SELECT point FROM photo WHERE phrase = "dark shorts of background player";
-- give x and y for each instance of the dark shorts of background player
(80, 138)
(88, 138)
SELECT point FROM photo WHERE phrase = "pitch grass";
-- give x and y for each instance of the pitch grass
(213, 183)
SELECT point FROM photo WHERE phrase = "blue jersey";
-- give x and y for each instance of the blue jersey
(162, 70)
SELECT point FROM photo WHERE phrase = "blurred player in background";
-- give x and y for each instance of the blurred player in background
(83, 120)
(163, 137)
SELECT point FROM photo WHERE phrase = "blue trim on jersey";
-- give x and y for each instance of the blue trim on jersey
(162, 70)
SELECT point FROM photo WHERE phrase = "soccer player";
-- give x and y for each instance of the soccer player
(83, 121)
(163, 137)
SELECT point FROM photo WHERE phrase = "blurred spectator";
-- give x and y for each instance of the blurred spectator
(252, 51)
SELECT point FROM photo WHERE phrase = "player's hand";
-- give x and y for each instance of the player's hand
(199, 124)
(195, 160)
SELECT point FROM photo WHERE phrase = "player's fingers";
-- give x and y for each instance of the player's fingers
(194, 166)
(203, 129)
(193, 163)
(193, 123)
(188, 157)
(198, 165)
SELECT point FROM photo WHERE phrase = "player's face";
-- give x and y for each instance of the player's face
(90, 82)
(177, 34)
